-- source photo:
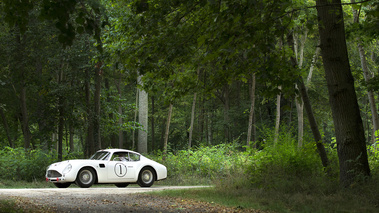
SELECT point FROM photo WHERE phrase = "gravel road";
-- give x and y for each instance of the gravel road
(109, 200)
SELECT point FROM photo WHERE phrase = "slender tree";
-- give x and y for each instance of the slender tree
(143, 100)
(367, 76)
(305, 101)
(252, 107)
(6, 127)
(192, 121)
(277, 118)
(97, 104)
(167, 130)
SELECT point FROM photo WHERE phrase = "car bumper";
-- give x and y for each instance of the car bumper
(56, 177)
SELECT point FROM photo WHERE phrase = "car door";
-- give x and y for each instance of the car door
(120, 167)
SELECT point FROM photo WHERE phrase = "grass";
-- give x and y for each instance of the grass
(9, 206)
(343, 201)
(295, 195)
(16, 205)
(301, 195)
(240, 200)
(11, 184)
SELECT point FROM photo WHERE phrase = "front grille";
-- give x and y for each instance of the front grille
(53, 174)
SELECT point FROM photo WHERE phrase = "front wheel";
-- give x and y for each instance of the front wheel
(62, 185)
(146, 177)
(85, 178)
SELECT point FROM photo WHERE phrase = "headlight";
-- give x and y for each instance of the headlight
(67, 169)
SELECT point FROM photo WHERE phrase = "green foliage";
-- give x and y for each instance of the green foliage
(373, 158)
(18, 164)
(205, 164)
(281, 165)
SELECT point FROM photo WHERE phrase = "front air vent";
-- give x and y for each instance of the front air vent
(53, 174)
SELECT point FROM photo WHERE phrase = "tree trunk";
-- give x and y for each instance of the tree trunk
(370, 93)
(351, 146)
(135, 120)
(60, 117)
(60, 128)
(252, 106)
(210, 126)
(226, 113)
(314, 127)
(142, 118)
(6, 127)
(299, 101)
(152, 123)
(89, 145)
(165, 142)
(300, 121)
(277, 120)
(96, 121)
(120, 121)
(312, 121)
(25, 118)
(43, 136)
(72, 132)
(112, 140)
(314, 60)
(23, 106)
(202, 120)
(192, 120)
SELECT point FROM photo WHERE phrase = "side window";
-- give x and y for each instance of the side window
(134, 157)
(120, 156)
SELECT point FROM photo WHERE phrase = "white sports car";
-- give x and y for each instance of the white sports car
(118, 166)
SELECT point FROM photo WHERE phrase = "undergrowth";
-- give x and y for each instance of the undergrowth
(18, 164)
(204, 165)
(281, 177)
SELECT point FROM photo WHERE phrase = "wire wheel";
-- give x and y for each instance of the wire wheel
(146, 177)
(85, 178)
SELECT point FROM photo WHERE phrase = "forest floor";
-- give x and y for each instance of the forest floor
(107, 200)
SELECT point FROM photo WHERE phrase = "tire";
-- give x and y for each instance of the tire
(121, 185)
(146, 177)
(62, 185)
(86, 178)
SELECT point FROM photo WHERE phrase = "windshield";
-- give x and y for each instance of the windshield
(100, 156)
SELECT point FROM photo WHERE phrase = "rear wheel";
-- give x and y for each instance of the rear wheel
(146, 177)
(121, 185)
(62, 185)
(85, 178)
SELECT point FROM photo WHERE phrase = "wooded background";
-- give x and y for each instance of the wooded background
(168, 75)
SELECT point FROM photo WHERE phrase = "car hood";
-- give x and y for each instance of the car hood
(59, 166)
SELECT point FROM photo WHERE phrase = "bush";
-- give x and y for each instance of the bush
(204, 164)
(286, 167)
(373, 158)
(17, 164)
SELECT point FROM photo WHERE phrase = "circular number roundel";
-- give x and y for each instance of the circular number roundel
(120, 169)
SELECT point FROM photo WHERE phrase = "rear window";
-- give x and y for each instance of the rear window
(134, 157)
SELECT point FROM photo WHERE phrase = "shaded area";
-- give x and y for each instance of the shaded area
(116, 203)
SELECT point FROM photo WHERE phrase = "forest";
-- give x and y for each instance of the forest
(287, 83)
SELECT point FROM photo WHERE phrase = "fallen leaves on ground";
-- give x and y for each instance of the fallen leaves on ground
(111, 203)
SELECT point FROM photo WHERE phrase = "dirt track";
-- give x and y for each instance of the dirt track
(130, 199)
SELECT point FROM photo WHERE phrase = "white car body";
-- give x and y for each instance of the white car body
(118, 166)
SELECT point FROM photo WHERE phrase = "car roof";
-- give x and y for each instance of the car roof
(118, 150)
